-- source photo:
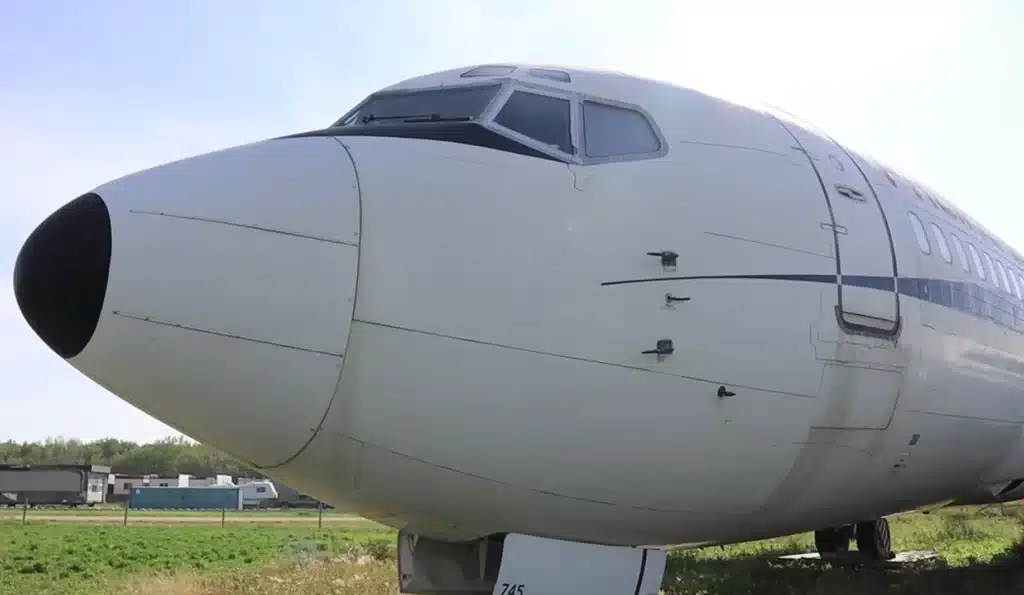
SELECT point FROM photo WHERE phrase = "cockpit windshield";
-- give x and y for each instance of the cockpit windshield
(446, 104)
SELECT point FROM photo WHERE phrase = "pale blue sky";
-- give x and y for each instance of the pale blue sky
(90, 91)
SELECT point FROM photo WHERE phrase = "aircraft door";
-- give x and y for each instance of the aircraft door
(868, 301)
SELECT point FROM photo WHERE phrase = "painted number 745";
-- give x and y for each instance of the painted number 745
(511, 589)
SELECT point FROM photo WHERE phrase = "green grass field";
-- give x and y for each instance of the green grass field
(976, 546)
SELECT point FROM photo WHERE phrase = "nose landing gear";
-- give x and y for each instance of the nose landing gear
(873, 538)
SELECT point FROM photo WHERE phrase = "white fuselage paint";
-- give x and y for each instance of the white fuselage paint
(418, 331)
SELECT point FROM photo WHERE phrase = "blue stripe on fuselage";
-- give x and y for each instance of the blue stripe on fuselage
(982, 302)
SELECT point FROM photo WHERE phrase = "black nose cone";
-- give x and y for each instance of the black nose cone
(60, 276)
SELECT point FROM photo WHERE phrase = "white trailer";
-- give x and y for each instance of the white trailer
(256, 491)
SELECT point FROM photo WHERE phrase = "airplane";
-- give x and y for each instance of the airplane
(550, 323)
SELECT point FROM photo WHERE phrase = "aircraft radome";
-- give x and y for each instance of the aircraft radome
(549, 322)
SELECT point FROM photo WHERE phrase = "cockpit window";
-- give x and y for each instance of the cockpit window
(547, 73)
(540, 117)
(489, 70)
(446, 104)
(609, 130)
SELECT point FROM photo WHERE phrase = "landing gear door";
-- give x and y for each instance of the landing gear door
(527, 567)
(868, 300)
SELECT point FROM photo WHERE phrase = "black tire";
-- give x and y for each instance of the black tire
(835, 540)
(874, 539)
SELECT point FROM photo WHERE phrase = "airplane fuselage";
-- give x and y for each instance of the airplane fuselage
(732, 329)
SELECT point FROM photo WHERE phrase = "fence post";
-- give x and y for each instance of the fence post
(320, 520)
(24, 510)
(127, 505)
(223, 516)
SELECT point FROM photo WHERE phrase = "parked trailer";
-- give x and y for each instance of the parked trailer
(204, 498)
(256, 491)
(53, 485)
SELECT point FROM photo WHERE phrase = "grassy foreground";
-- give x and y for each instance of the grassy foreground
(975, 544)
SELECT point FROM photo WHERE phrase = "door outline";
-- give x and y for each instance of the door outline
(894, 333)
(848, 326)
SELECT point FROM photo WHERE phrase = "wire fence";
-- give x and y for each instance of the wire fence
(127, 514)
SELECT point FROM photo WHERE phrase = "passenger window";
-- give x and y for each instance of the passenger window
(977, 261)
(960, 254)
(1002, 274)
(991, 268)
(922, 236)
(943, 246)
(540, 117)
(610, 130)
(1013, 281)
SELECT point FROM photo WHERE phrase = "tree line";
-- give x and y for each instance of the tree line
(167, 457)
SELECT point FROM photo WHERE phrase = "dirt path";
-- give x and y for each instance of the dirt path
(204, 519)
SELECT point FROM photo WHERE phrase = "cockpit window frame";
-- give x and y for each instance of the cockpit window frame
(500, 83)
(488, 118)
(662, 142)
(510, 84)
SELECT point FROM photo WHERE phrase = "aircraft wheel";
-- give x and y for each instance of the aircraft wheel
(834, 540)
(875, 540)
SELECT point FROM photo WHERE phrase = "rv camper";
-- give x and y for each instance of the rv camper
(257, 492)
